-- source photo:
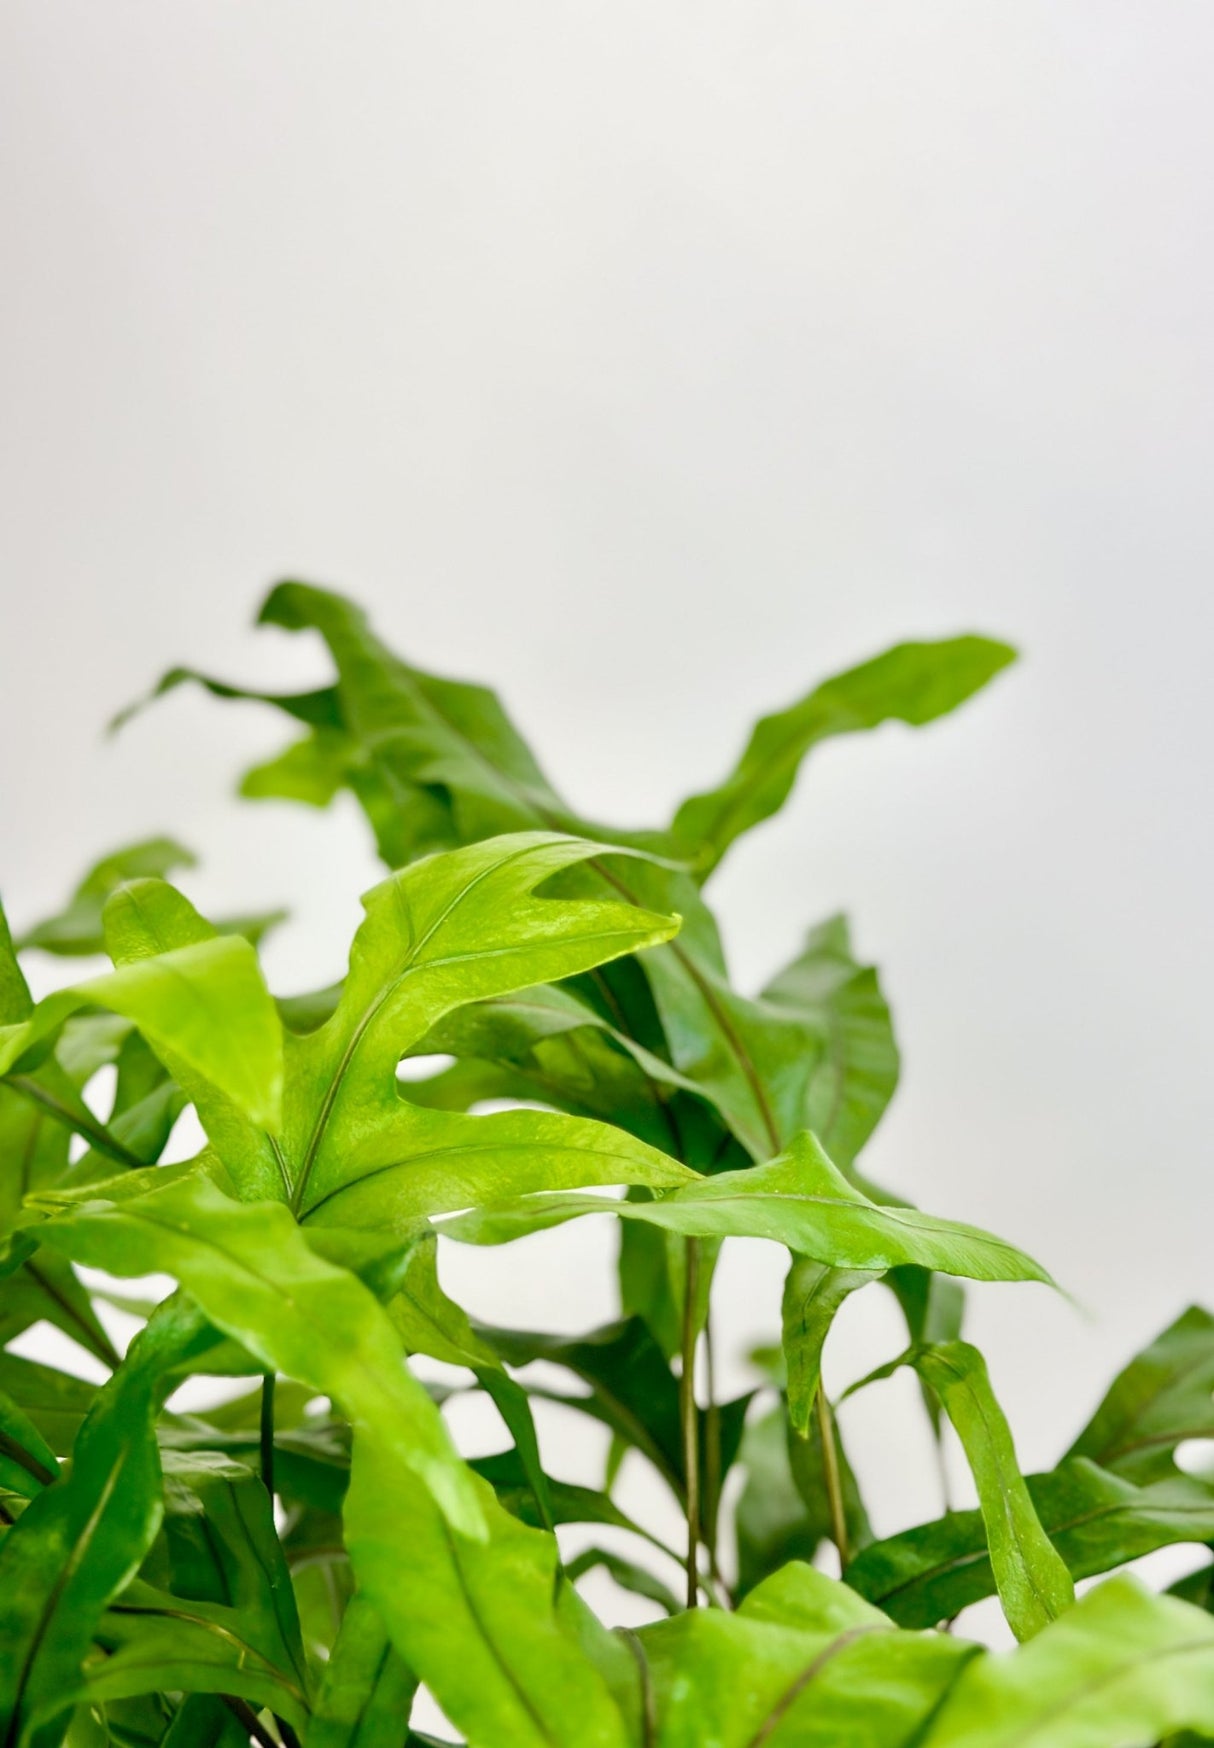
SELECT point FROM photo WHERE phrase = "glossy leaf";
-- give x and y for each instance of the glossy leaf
(813, 1293)
(1033, 1582)
(805, 1664)
(798, 1199)
(1120, 1667)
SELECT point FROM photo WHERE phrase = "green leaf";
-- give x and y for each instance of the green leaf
(813, 1293)
(856, 1071)
(1121, 1666)
(626, 1573)
(913, 683)
(255, 1276)
(27, 1463)
(205, 1002)
(76, 931)
(223, 1548)
(367, 1691)
(798, 1199)
(795, 1666)
(55, 1402)
(457, 927)
(153, 1641)
(1163, 1397)
(1033, 1582)
(477, 1621)
(79, 1541)
(1095, 1520)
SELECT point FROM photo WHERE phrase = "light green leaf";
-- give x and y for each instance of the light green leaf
(785, 1671)
(1120, 1667)
(798, 1199)
(913, 683)
(813, 1293)
(206, 1003)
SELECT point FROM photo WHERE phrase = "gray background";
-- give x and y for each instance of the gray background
(652, 361)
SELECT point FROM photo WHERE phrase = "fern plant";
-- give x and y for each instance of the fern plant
(290, 1564)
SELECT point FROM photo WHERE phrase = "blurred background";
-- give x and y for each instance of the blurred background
(652, 362)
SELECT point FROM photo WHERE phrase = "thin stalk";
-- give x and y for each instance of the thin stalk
(689, 1418)
(267, 1432)
(712, 1447)
(833, 1479)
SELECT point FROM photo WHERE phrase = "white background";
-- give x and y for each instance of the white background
(652, 361)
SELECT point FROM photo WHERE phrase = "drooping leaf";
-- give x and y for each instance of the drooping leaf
(913, 683)
(1121, 1666)
(1095, 1520)
(798, 1199)
(1031, 1577)
(1163, 1397)
(813, 1293)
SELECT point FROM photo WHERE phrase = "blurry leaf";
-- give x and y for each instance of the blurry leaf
(76, 930)
(477, 1621)
(912, 683)
(627, 1574)
(152, 1641)
(791, 1672)
(1120, 1667)
(55, 1402)
(366, 1691)
(1164, 1396)
(1095, 1520)
(856, 1070)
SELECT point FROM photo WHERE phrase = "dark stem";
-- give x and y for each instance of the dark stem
(82, 1123)
(249, 1721)
(267, 1433)
(831, 1475)
(689, 1418)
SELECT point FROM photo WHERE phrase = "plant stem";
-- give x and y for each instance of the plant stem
(689, 1416)
(267, 1432)
(712, 1447)
(831, 1475)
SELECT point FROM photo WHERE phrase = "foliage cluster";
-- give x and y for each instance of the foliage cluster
(289, 1565)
